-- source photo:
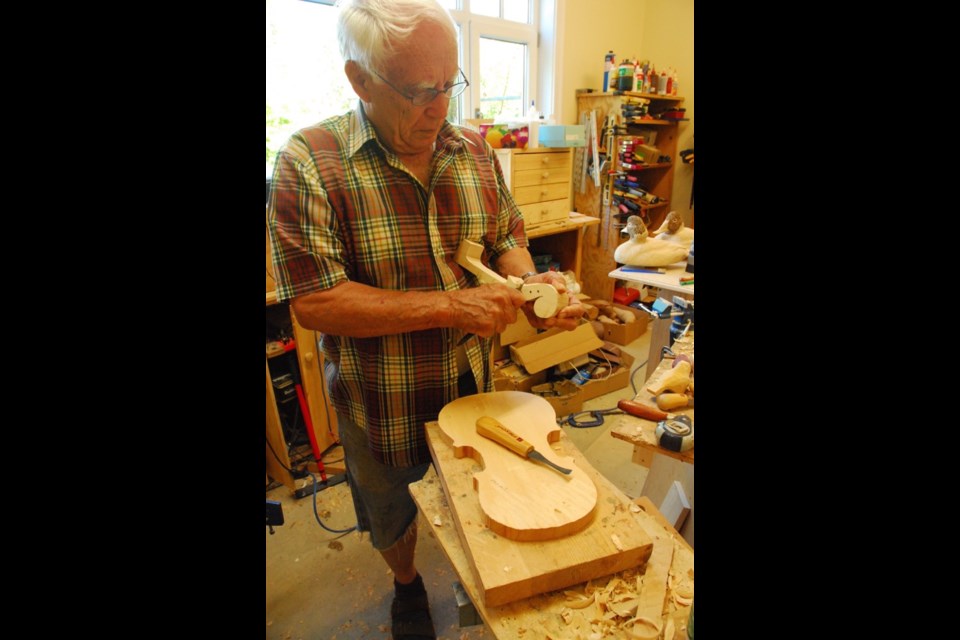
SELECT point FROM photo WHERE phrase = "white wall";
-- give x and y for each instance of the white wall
(658, 30)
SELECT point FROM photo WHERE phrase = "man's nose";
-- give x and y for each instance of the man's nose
(438, 106)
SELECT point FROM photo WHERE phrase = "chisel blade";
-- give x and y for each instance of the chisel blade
(536, 455)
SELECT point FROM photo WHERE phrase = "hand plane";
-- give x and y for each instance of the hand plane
(548, 300)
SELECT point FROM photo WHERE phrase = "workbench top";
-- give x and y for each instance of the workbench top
(670, 280)
(554, 614)
(642, 433)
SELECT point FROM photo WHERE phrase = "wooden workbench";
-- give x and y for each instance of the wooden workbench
(641, 433)
(542, 615)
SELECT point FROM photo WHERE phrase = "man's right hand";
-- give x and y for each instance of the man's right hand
(486, 309)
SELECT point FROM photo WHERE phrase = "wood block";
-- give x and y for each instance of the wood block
(540, 616)
(507, 570)
(655, 585)
(520, 499)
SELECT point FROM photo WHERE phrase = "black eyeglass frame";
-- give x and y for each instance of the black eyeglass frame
(426, 96)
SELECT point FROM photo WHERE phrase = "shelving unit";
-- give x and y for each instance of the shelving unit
(309, 362)
(655, 178)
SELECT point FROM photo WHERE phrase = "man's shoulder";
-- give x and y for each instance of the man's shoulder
(338, 126)
(343, 133)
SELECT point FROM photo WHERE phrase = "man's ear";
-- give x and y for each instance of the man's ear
(359, 79)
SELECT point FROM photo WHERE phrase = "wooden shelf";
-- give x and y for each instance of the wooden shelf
(647, 167)
(576, 221)
(665, 203)
(651, 123)
(633, 94)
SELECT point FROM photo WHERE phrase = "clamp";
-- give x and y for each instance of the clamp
(548, 300)
(597, 418)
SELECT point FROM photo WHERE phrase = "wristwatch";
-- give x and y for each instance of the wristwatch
(527, 275)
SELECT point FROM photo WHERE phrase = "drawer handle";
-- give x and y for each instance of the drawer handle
(545, 175)
(543, 192)
(546, 160)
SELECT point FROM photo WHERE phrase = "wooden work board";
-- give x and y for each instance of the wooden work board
(542, 616)
(508, 570)
(642, 433)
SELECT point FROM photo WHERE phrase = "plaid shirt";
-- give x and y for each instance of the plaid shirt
(343, 207)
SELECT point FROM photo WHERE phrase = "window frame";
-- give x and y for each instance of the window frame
(473, 27)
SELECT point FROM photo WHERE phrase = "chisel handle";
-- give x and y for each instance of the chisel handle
(492, 428)
(641, 410)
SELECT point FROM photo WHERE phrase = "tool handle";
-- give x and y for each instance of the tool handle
(641, 410)
(492, 428)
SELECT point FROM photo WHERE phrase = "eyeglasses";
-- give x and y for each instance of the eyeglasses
(426, 96)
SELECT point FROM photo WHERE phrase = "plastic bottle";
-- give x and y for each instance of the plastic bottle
(669, 87)
(534, 119)
(676, 83)
(625, 76)
(653, 80)
(637, 76)
(609, 61)
(533, 115)
(662, 84)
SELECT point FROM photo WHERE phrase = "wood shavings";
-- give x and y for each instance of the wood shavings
(578, 600)
(566, 614)
(506, 569)
(635, 508)
(437, 521)
(644, 627)
(669, 629)
(681, 601)
(616, 542)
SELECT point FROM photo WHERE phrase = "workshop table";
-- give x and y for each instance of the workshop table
(642, 433)
(541, 615)
(670, 280)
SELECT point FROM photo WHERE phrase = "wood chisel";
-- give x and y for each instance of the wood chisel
(494, 430)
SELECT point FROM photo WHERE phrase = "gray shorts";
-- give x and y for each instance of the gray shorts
(380, 496)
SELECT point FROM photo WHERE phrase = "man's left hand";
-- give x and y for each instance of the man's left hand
(567, 318)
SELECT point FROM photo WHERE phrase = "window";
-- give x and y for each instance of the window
(305, 82)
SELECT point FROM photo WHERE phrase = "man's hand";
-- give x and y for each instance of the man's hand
(567, 318)
(487, 309)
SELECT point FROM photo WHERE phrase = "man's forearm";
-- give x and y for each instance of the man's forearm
(361, 311)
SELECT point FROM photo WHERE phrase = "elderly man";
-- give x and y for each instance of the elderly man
(366, 213)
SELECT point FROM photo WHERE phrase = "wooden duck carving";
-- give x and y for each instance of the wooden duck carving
(672, 230)
(643, 251)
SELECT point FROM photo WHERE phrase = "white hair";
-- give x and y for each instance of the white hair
(370, 31)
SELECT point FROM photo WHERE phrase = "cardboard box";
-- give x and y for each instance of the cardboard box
(626, 333)
(513, 377)
(505, 136)
(563, 135)
(649, 154)
(566, 397)
(618, 379)
(553, 347)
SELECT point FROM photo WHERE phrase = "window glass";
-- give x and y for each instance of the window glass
(485, 7)
(304, 76)
(518, 10)
(502, 66)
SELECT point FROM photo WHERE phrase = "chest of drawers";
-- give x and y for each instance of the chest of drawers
(540, 181)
